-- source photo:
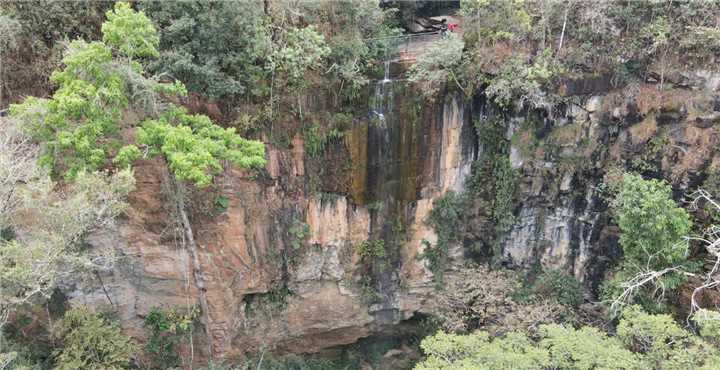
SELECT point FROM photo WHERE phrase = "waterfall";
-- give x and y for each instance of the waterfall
(382, 101)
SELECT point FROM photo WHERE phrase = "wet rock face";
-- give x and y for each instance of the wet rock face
(281, 261)
(275, 236)
(562, 217)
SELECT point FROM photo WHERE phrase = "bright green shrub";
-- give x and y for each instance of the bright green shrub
(585, 348)
(79, 126)
(479, 351)
(130, 32)
(193, 146)
(664, 343)
(652, 225)
(643, 341)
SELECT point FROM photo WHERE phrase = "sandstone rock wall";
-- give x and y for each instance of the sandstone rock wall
(281, 262)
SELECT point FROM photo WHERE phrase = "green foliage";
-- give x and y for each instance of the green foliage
(79, 125)
(643, 341)
(166, 330)
(446, 218)
(370, 250)
(479, 351)
(193, 145)
(88, 341)
(368, 291)
(302, 49)
(652, 225)
(316, 140)
(84, 110)
(438, 65)
(585, 348)
(299, 232)
(493, 178)
(664, 343)
(652, 235)
(126, 155)
(130, 32)
(701, 40)
(560, 287)
(647, 161)
(216, 48)
(221, 203)
(359, 40)
(374, 261)
(270, 302)
(506, 180)
(25, 345)
(708, 322)
(30, 46)
(519, 82)
(491, 21)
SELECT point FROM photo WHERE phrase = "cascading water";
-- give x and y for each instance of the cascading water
(382, 101)
(383, 187)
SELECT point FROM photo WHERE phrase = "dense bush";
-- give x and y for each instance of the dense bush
(31, 43)
(166, 329)
(643, 341)
(653, 226)
(216, 48)
(438, 66)
(88, 341)
(560, 287)
(446, 218)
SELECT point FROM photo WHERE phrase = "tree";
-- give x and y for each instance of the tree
(359, 35)
(663, 343)
(165, 329)
(42, 225)
(88, 341)
(79, 126)
(495, 20)
(643, 341)
(32, 33)
(653, 231)
(585, 348)
(479, 351)
(217, 48)
(41, 229)
(439, 65)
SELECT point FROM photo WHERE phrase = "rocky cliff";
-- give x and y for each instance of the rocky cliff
(281, 248)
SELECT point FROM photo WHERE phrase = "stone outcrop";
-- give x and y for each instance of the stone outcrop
(280, 261)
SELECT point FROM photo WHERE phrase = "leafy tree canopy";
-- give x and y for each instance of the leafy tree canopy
(88, 341)
(643, 341)
(79, 126)
(193, 145)
(216, 47)
(652, 225)
(130, 32)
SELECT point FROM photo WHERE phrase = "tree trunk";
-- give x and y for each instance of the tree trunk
(562, 34)
(191, 246)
